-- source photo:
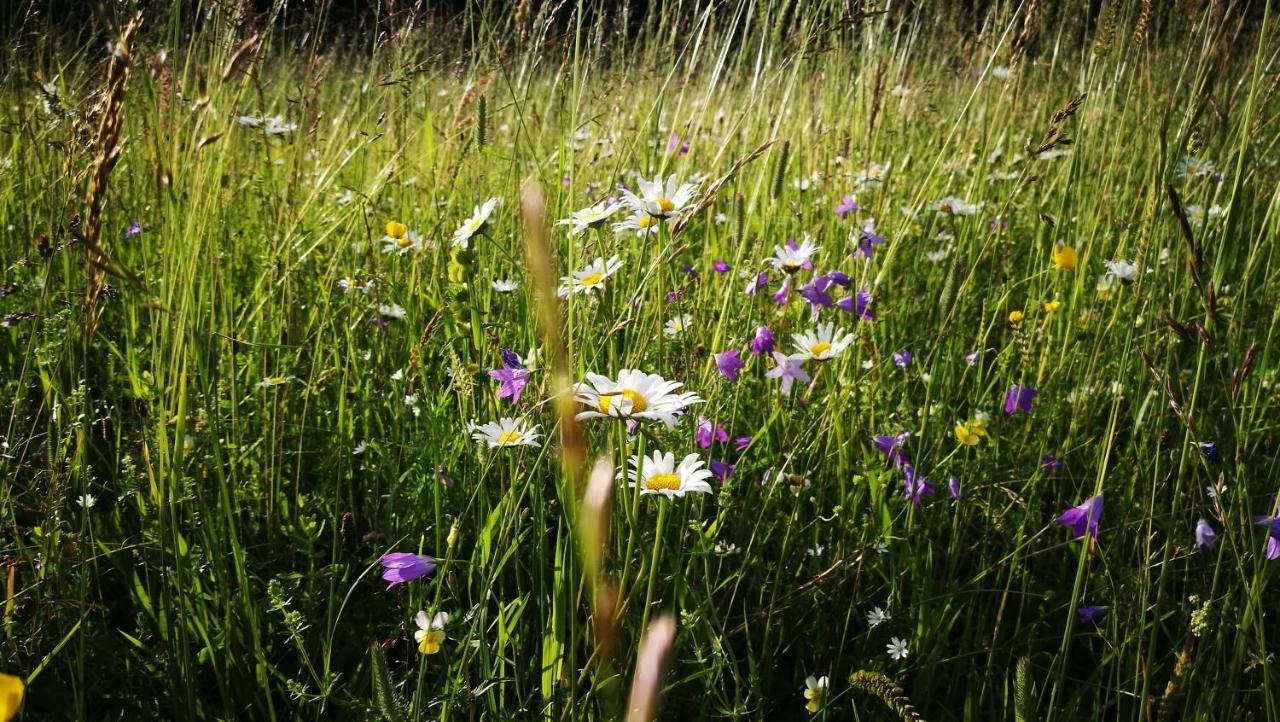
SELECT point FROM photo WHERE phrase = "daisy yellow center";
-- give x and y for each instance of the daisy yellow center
(475, 224)
(638, 404)
(662, 482)
(591, 217)
(404, 242)
(666, 204)
(647, 222)
(945, 208)
(593, 279)
(819, 348)
(508, 437)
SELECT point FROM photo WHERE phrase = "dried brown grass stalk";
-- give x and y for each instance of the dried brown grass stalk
(107, 147)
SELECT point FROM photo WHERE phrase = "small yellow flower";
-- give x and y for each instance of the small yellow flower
(1064, 257)
(967, 436)
(1015, 317)
(1051, 306)
(10, 696)
(396, 229)
(453, 535)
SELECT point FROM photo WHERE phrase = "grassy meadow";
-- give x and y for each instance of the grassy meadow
(938, 382)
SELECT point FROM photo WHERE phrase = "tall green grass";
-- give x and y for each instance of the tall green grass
(228, 569)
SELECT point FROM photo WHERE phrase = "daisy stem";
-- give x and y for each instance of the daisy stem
(653, 561)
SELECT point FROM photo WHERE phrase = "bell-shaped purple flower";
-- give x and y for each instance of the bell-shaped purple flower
(762, 342)
(846, 205)
(729, 364)
(1019, 398)
(1083, 518)
(513, 376)
(916, 484)
(1206, 537)
(401, 567)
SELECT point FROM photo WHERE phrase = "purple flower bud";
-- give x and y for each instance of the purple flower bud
(763, 341)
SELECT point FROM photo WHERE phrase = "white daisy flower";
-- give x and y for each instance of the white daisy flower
(677, 324)
(793, 256)
(268, 124)
(872, 175)
(391, 310)
(878, 616)
(591, 278)
(822, 342)
(430, 632)
(658, 199)
(476, 223)
(87, 500)
(590, 217)
(952, 206)
(897, 648)
(351, 285)
(1192, 167)
(635, 395)
(270, 381)
(939, 255)
(505, 432)
(506, 285)
(659, 474)
(640, 222)
(1122, 269)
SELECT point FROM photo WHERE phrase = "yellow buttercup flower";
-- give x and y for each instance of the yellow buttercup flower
(1051, 306)
(1064, 257)
(1015, 317)
(967, 436)
(10, 696)
(395, 229)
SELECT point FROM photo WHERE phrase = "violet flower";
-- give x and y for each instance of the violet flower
(902, 359)
(708, 432)
(721, 469)
(513, 376)
(863, 305)
(759, 284)
(789, 370)
(815, 292)
(1210, 451)
(720, 267)
(1088, 614)
(780, 297)
(1019, 398)
(1206, 537)
(742, 442)
(1083, 518)
(891, 447)
(729, 364)
(868, 240)
(846, 205)
(953, 488)
(762, 342)
(134, 228)
(401, 567)
(915, 484)
(678, 145)
(1273, 534)
(1050, 462)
